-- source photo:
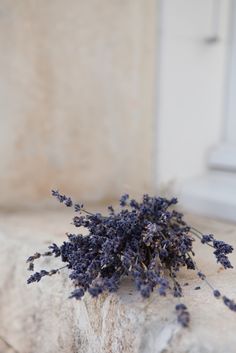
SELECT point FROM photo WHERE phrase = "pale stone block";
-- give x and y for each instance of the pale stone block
(40, 319)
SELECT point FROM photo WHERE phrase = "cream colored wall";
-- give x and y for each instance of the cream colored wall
(76, 98)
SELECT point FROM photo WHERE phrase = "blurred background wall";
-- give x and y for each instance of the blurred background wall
(193, 65)
(100, 97)
(76, 98)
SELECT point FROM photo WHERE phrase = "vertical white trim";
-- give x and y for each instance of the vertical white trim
(223, 157)
(214, 194)
(231, 99)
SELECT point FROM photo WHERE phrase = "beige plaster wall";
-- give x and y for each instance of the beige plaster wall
(76, 98)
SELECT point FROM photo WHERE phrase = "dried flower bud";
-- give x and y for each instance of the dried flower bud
(147, 240)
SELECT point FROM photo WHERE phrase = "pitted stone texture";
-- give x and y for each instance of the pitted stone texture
(40, 319)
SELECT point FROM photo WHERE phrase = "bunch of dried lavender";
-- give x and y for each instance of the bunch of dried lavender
(147, 240)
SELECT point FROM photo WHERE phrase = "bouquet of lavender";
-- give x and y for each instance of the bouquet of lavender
(148, 241)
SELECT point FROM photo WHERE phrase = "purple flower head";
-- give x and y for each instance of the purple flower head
(147, 241)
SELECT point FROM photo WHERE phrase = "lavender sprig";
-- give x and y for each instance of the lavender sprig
(148, 241)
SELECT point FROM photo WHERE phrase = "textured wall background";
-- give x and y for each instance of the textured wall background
(76, 98)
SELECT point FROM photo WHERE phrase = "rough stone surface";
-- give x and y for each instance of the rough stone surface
(40, 319)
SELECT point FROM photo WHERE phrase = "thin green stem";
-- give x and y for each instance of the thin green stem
(85, 211)
(204, 279)
(196, 230)
(60, 268)
(193, 231)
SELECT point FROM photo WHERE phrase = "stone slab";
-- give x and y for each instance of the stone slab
(40, 319)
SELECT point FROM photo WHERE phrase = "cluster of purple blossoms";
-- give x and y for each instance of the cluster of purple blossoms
(148, 241)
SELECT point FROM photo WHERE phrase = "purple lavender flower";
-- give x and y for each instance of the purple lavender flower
(148, 241)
